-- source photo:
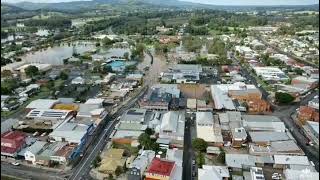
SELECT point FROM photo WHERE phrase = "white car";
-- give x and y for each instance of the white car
(15, 163)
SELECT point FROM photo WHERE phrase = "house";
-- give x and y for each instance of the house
(213, 172)
(140, 164)
(172, 127)
(12, 142)
(207, 129)
(160, 169)
(112, 160)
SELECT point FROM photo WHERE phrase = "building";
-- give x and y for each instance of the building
(176, 155)
(112, 160)
(160, 169)
(140, 164)
(78, 81)
(240, 161)
(232, 128)
(134, 115)
(311, 130)
(224, 94)
(95, 101)
(258, 106)
(271, 73)
(256, 173)
(172, 127)
(286, 147)
(56, 152)
(307, 113)
(314, 103)
(213, 172)
(160, 96)
(12, 142)
(264, 138)
(182, 74)
(285, 161)
(304, 174)
(41, 104)
(33, 150)
(207, 129)
(88, 113)
(71, 132)
(263, 123)
(305, 82)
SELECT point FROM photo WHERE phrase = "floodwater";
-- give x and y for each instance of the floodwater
(55, 55)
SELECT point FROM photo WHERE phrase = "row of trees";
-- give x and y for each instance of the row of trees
(50, 23)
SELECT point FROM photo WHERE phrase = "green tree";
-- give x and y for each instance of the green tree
(126, 55)
(298, 71)
(199, 145)
(64, 75)
(32, 71)
(284, 98)
(107, 69)
(149, 131)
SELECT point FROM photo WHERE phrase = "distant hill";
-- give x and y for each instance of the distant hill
(77, 5)
(8, 8)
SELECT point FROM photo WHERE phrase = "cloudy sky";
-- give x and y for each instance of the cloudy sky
(216, 2)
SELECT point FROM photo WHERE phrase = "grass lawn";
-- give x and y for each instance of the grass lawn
(129, 148)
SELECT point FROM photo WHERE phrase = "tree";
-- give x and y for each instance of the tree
(199, 145)
(107, 68)
(31, 71)
(64, 75)
(118, 171)
(149, 131)
(284, 98)
(126, 55)
(298, 71)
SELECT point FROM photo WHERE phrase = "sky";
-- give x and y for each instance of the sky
(214, 2)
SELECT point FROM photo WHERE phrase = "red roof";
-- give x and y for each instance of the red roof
(12, 141)
(161, 167)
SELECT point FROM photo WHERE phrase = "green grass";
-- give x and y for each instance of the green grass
(129, 148)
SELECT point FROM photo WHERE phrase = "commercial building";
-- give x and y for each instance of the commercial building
(160, 169)
(265, 138)
(307, 113)
(286, 147)
(285, 161)
(263, 123)
(304, 174)
(207, 129)
(271, 73)
(134, 115)
(41, 104)
(140, 164)
(304, 82)
(182, 73)
(224, 94)
(172, 127)
(256, 173)
(311, 130)
(71, 132)
(12, 142)
(213, 172)
(160, 96)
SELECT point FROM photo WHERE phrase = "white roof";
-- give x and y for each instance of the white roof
(221, 98)
(170, 121)
(305, 174)
(287, 160)
(262, 136)
(237, 160)
(72, 132)
(213, 172)
(42, 104)
(175, 155)
(204, 117)
(36, 147)
(48, 113)
(94, 101)
(192, 103)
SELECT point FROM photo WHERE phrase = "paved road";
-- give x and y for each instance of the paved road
(27, 172)
(187, 153)
(81, 171)
(284, 113)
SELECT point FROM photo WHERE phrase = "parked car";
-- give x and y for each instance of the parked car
(15, 163)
